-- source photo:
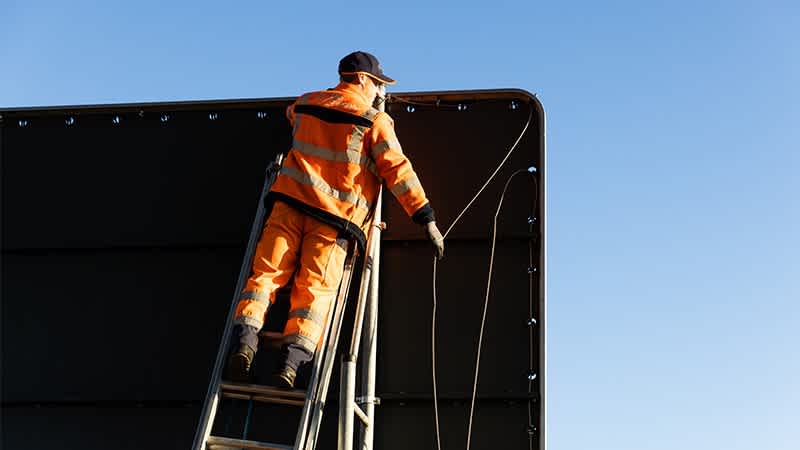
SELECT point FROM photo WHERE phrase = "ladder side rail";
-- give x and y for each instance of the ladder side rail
(323, 364)
(370, 351)
(212, 397)
(368, 374)
(348, 365)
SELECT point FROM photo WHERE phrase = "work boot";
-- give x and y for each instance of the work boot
(291, 357)
(284, 378)
(239, 363)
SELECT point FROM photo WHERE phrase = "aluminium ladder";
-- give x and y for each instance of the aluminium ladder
(313, 399)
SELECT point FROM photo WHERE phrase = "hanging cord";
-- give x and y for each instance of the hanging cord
(499, 166)
(530, 170)
(449, 229)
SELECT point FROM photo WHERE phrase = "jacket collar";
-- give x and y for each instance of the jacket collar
(352, 90)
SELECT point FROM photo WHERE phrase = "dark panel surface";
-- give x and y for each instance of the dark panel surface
(90, 428)
(405, 319)
(122, 325)
(186, 181)
(134, 428)
(122, 242)
(454, 153)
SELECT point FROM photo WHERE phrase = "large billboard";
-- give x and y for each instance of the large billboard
(123, 230)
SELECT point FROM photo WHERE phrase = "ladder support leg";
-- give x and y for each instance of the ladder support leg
(247, 419)
(361, 415)
(370, 352)
(346, 403)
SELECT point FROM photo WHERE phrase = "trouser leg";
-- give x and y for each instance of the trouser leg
(274, 262)
(315, 286)
(293, 355)
(246, 334)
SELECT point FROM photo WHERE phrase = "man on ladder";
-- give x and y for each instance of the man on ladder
(343, 150)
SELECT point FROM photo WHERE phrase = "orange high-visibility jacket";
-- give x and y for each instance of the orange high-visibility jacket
(342, 150)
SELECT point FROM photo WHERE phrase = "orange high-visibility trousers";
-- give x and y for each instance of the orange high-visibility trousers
(294, 242)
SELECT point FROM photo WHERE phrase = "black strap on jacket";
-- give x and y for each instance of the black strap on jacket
(332, 115)
(346, 228)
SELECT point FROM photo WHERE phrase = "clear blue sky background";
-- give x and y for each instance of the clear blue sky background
(674, 131)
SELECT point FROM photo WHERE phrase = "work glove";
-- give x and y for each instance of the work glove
(436, 239)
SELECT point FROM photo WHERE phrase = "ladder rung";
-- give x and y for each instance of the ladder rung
(271, 335)
(223, 442)
(263, 399)
(263, 390)
(271, 339)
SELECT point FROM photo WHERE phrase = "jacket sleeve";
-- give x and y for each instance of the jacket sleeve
(396, 170)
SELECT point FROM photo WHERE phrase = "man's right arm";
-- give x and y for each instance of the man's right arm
(396, 170)
(398, 174)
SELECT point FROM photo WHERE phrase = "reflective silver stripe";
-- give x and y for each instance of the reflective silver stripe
(355, 147)
(352, 155)
(348, 156)
(304, 178)
(370, 114)
(247, 320)
(307, 313)
(303, 341)
(356, 139)
(258, 296)
(384, 146)
(405, 186)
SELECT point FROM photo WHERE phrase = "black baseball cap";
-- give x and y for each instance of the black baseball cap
(366, 63)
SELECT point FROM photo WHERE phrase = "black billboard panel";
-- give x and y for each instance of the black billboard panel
(123, 229)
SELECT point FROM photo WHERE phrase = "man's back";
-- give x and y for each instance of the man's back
(342, 151)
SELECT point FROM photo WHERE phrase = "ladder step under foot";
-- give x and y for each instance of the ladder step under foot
(263, 390)
(262, 399)
(218, 442)
(264, 394)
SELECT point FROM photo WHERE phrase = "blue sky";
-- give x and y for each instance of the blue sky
(673, 141)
